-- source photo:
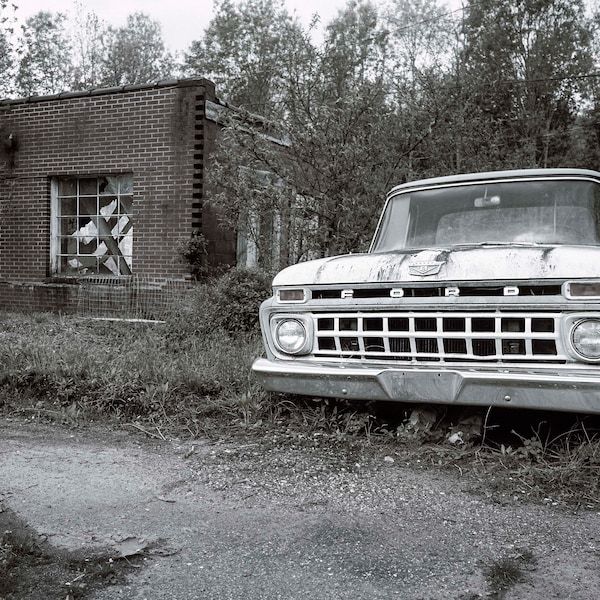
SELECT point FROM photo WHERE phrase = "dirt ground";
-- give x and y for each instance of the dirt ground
(261, 519)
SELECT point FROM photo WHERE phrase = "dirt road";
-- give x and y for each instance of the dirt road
(254, 520)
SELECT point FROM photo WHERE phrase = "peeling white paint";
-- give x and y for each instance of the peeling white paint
(464, 264)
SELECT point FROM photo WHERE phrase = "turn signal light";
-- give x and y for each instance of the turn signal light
(291, 295)
(590, 289)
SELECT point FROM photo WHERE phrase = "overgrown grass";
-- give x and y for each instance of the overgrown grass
(73, 368)
(556, 470)
(521, 457)
(181, 377)
(190, 377)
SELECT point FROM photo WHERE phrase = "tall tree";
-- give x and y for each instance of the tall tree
(421, 45)
(355, 48)
(45, 64)
(135, 53)
(7, 58)
(339, 144)
(320, 185)
(587, 136)
(422, 35)
(87, 43)
(243, 50)
(524, 60)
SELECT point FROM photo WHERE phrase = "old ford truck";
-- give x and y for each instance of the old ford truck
(479, 289)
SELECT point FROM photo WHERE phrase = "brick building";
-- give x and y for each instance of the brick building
(100, 187)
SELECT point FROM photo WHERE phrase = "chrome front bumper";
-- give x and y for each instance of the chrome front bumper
(517, 389)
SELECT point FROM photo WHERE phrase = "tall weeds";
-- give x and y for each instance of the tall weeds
(124, 370)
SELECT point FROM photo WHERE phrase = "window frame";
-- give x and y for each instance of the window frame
(124, 262)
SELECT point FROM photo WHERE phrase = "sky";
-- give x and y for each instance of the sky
(182, 21)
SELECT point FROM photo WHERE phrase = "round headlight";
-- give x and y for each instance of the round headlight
(585, 337)
(290, 336)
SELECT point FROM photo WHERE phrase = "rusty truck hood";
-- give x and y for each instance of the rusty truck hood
(459, 263)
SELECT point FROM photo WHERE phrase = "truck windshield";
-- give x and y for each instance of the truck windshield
(509, 212)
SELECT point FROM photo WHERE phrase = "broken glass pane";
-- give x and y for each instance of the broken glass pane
(126, 184)
(108, 206)
(108, 185)
(95, 225)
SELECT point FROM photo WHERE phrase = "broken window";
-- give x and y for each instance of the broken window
(92, 225)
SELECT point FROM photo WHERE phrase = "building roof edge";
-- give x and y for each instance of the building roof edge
(191, 82)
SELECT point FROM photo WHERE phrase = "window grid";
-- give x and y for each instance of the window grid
(94, 225)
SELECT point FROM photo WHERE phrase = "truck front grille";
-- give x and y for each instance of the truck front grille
(440, 337)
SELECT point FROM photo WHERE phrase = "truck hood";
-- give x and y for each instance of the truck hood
(459, 263)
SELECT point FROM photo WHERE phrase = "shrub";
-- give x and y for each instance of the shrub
(193, 251)
(235, 299)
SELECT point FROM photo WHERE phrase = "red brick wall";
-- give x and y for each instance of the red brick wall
(36, 297)
(155, 132)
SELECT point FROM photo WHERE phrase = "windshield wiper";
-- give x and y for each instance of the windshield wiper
(492, 243)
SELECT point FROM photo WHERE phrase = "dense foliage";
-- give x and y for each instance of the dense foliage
(53, 52)
(394, 90)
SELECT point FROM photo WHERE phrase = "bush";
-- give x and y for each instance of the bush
(193, 251)
(235, 298)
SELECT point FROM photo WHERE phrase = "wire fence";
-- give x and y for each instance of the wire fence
(136, 298)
